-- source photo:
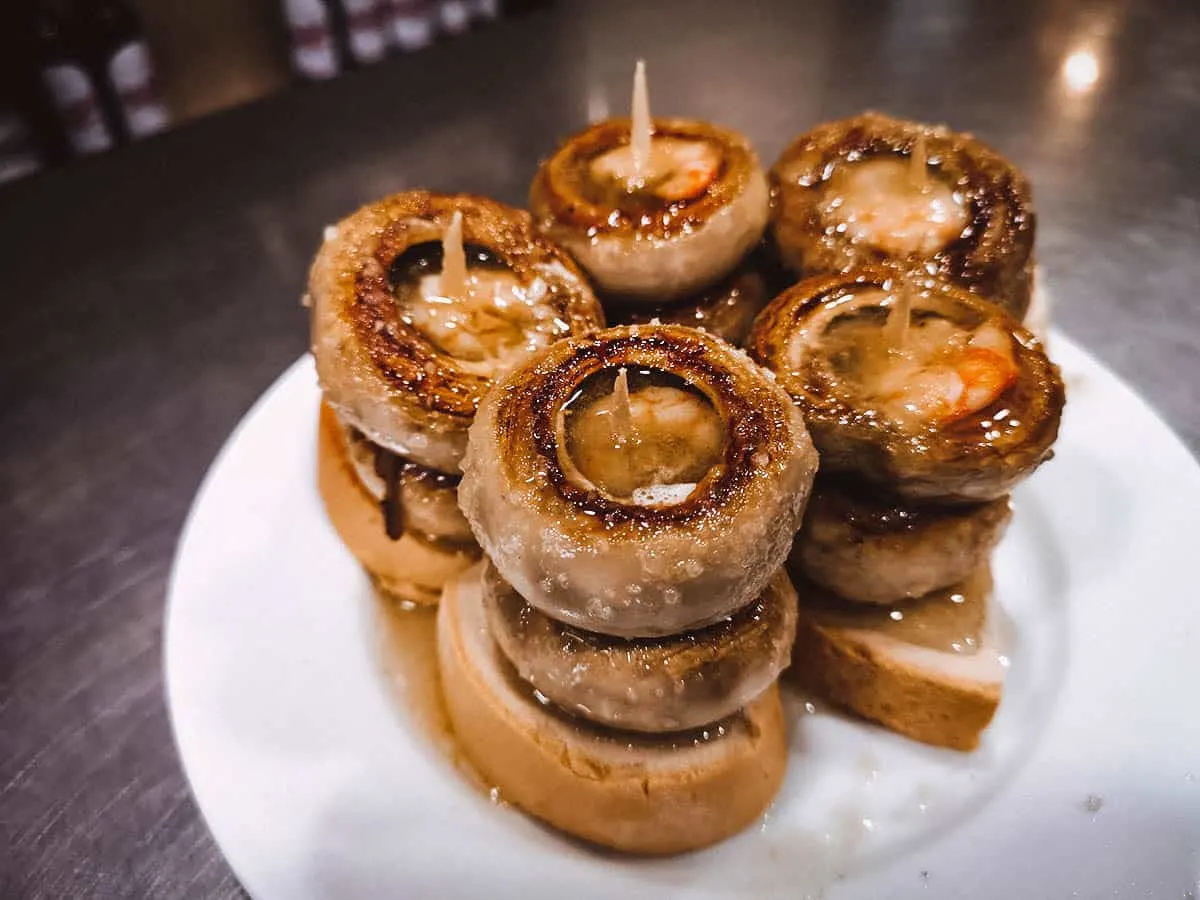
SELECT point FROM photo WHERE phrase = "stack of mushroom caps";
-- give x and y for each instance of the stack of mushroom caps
(613, 668)
(666, 216)
(418, 302)
(927, 400)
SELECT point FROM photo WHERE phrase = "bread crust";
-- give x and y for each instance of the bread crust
(854, 669)
(409, 569)
(640, 794)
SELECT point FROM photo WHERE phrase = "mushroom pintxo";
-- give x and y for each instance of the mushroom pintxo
(636, 493)
(932, 203)
(928, 405)
(657, 211)
(418, 303)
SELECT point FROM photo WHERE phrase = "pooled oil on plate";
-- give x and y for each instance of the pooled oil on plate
(320, 761)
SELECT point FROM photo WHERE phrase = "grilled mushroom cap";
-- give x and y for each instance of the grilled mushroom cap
(664, 684)
(977, 457)
(614, 564)
(866, 545)
(638, 245)
(993, 255)
(386, 376)
(727, 309)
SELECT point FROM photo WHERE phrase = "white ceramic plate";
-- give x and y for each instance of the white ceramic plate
(318, 780)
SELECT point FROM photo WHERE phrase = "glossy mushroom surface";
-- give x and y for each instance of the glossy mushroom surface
(867, 546)
(705, 519)
(933, 203)
(407, 368)
(660, 238)
(957, 402)
(663, 684)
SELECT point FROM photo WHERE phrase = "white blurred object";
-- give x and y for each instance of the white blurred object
(313, 51)
(412, 23)
(366, 22)
(454, 16)
(132, 74)
(74, 97)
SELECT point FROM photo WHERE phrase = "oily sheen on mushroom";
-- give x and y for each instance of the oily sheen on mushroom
(406, 372)
(418, 302)
(727, 309)
(655, 685)
(928, 201)
(682, 525)
(681, 225)
(932, 393)
(869, 547)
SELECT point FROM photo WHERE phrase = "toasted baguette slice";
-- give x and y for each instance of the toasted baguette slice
(643, 794)
(410, 569)
(884, 670)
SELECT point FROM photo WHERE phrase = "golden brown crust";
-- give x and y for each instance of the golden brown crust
(637, 245)
(640, 794)
(831, 663)
(409, 569)
(559, 195)
(992, 256)
(977, 457)
(383, 374)
(677, 682)
(527, 415)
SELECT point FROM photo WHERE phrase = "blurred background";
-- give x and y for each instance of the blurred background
(80, 77)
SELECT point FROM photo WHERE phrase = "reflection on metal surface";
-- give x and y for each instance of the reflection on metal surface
(597, 102)
(1081, 71)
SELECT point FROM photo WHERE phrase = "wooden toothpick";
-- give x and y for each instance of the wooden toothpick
(641, 127)
(453, 283)
(918, 165)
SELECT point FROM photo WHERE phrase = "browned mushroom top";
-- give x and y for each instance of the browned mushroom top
(935, 388)
(395, 353)
(696, 169)
(872, 189)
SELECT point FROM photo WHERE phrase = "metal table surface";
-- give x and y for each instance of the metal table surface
(149, 296)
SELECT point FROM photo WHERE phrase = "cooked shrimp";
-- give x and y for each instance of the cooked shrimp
(492, 326)
(677, 170)
(941, 384)
(653, 435)
(877, 203)
(694, 168)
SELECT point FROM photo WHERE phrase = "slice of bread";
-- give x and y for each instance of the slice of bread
(410, 569)
(908, 678)
(643, 794)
